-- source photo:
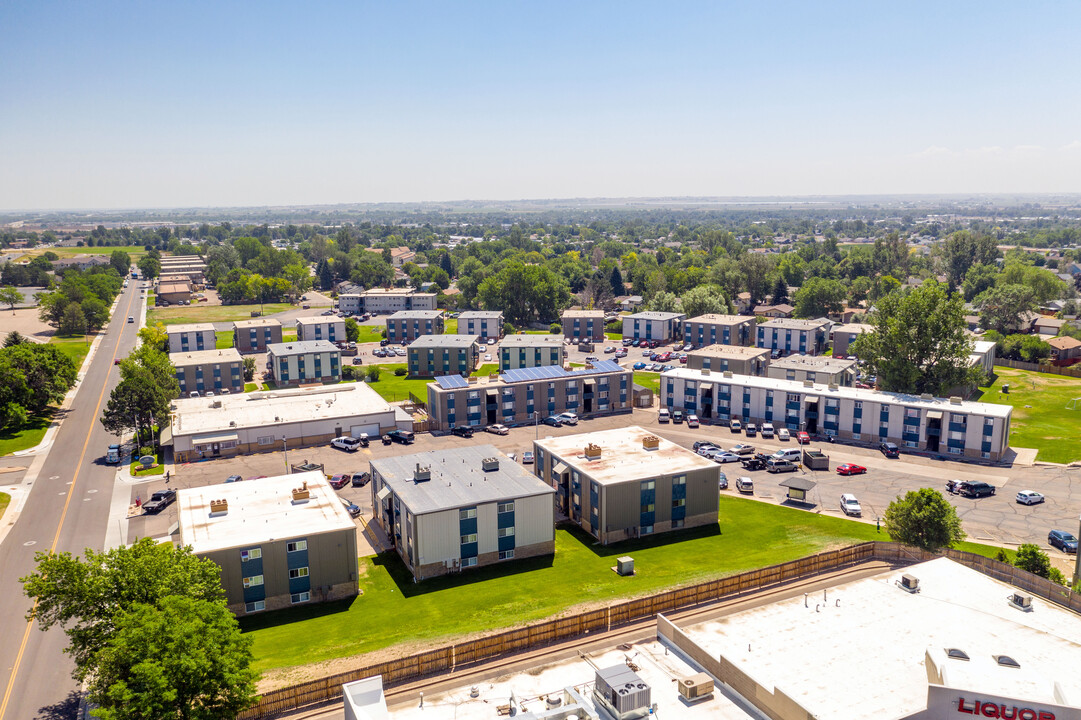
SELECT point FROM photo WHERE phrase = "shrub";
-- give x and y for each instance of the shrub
(146, 450)
(373, 373)
(400, 371)
(555, 328)
(508, 329)
(352, 372)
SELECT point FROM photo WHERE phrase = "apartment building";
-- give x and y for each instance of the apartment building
(209, 371)
(942, 426)
(191, 336)
(408, 325)
(789, 335)
(842, 336)
(485, 324)
(814, 368)
(434, 355)
(255, 335)
(321, 327)
(652, 325)
(298, 363)
(583, 325)
(386, 301)
(525, 351)
(448, 510)
(733, 358)
(627, 483)
(712, 329)
(529, 395)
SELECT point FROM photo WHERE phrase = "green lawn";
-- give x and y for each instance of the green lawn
(370, 333)
(750, 535)
(213, 313)
(289, 334)
(485, 370)
(224, 339)
(393, 388)
(75, 348)
(26, 437)
(1040, 418)
(159, 470)
(251, 387)
(649, 380)
(4, 500)
(614, 335)
(450, 326)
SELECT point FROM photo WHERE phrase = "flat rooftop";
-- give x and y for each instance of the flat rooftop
(814, 363)
(622, 456)
(418, 314)
(715, 319)
(532, 341)
(444, 341)
(319, 320)
(582, 313)
(853, 328)
(654, 315)
(730, 351)
(200, 416)
(375, 292)
(189, 327)
(796, 324)
(205, 357)
(861, 653)
(175, 287)
(852, 393)
(301, 347)
(256, 323)
(259, 511)
(458, 479)
(480, 315)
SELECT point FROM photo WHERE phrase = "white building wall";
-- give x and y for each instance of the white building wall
(351, 303)
(438, 537)
(534, 520)
(176, 341)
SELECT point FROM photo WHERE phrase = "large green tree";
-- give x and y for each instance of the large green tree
(141, 399)
(149, 266)
(1002, 306)
(121, 262)
(703, 300)
(1031, 558)
(962, 250)
(925, 519)
(73, 321)
(525, 293)
(819, 297)
(11, 297)
(919, 343)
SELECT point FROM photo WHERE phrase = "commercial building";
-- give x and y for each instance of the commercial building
(173, 292)
(627, 483)
(842, 336)
(525, 351)
(319, 327)
(948, 427)
(298, 363)
(194, 278)
(384, 301)
(408, 325)
(433, 355)
(486, 324)
(814, 368)
(714, 329)
(583, 325)
(529, 394)
(469, 506)
(225, 426)
(279, 541)
(931, 641)
(733, 358)
(652, 325)
(788, 335)
(191, 336)
(209, 371)
(255, 335)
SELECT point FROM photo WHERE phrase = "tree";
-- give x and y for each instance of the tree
(14, 338)
(373, 373)
(1031, 558)
(181, 658)
(616, 281)
(11, 297)
(121, 262)
(925, 519)
(666, 302)
(37, 375)
(964, 249)
(446, 264)
(96, 313)
(141, 399)
(149, 266)
(819, 297)
(1001, 307)
(73, 321)
(978, 279)
(156, 336)
(525, 293)
(249, 369)
(919, 342)
(704, 299)
(780, 291)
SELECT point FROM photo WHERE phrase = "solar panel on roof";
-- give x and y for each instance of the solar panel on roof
(450, 382)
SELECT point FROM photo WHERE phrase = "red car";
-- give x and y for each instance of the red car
(802, 438)
(850, 469)
(339, 481)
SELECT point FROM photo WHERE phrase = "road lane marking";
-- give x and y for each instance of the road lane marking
(63, 516)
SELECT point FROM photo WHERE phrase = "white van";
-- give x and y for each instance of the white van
(789, 454)
(664, 416)
(767, 430)
(745, 484)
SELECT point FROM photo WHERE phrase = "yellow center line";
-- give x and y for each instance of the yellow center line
(60, 525)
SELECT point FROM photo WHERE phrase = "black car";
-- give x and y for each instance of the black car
(554, 421)
(384, 342)
(976, 489)
(361, 479)
(1063, 540)
(462, 431)
(889, 449)
(159, 501)
(405, 437)
(753, 463)
(677, 416)
(387, 440)
(233, 479)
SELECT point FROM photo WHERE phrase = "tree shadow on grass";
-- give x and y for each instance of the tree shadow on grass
(626, 547)
(295, 614)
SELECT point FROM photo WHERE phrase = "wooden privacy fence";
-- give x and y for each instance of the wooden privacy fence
(1067, 370)
(488, 647)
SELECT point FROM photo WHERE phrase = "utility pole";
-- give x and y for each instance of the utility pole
(285, 448)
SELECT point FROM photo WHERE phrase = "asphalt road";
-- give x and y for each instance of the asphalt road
(67, 510)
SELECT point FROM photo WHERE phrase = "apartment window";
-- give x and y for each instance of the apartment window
(679, 480)
(679, 502)
(253, 581)
(505, 555)
(985, 455)
(509, 506)
(912, 412)
(831, 402)
(506, 532)
(251, 554)
(884, 425)
(469, 561)
(791, 397)
(255, 606)
(296, 546)
(647, 507)
(470, 538)
(300, 597)
(298, 573)
(911, 444)
(649, 484)
(646, 530)
(855, 436)
(676, 524)
(954, 450)
(467, 513)
(958, 419)
(858, 405)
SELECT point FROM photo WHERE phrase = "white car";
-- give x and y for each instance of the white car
(725, 457)
(349, 444)
(1029, 497)
(488, 357)
(783, 434)
(850, 505)
(707, 450)
(497, 429)
(569, 418)
(767, 430)
(491, 341)
(692, 421)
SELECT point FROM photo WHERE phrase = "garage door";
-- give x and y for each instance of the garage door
(372, 430)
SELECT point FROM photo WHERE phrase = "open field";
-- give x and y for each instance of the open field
(450, 326)
(223, 339)
(750, 535)
(1040, 418)
(393, 388)
(135, 251)
(370, 333)
(75, 348)
(649, 380)
(215, 313)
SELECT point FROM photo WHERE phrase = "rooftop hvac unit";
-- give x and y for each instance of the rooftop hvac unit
(651, 442)
(955, 400)
(926, 396)
(489, 463)
(593, 451)
(705, 371)
(1021, 601)
(696, 687)
(625, 565)
(622, 691)
(422, 473)
(301, 494)
(808, 383)
(909, 583)
(219, 506)
(727, 373)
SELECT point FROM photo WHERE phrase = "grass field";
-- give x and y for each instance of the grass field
(370, 333)
(450, 326)
(26, 437)
(251, 387)
(223, 339)
(135, 251)
(289, 334)
(393, 388)
(4, 500)
(614, 335)
(159, 470)
(1040, 418)
(649, 380)
(75, 348)
(750, 535)
(213, 313)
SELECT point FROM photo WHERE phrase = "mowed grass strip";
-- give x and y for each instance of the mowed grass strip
(214, 313)
(1040, 418)
(393, 610)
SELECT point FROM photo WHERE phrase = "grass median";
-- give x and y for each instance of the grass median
(393, 610)
(1041, 418)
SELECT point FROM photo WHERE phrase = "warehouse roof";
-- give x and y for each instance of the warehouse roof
(204, 357)
(301, 347)
(259, 511)
(458, 478)
(623, 455)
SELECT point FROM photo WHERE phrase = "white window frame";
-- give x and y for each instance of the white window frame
(467, 513)
(253, 581)
(505, 532)
(508, 506)
(469, 562)
(251, 554)
(296, 546)
(467, 539)
(301, 597)
(297, 573)
(506, 554)
(256, 606)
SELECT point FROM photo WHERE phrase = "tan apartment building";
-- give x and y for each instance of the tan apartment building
(300, 363)
(732, 358)
(842, 336)
(485, 324)
(814, 368)
(255, 335)
(191, 336)
(321, 327)
(524, 351)
(583, 325)
(408, 325)
(385, 301)
(434, 355)
(713, 329)
(209, 371)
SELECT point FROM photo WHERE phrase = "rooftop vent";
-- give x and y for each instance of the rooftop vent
(219, 507)
(833, 386)
(926, 396)
(705, 371)
(1021, 601)
(651, 442)
(909, 583)
(216, 404)
(1006, 661)
(808, 383)
(727, 373)
(955, 400)
(301, 494)
(593, 451)
(956, 654)
(232, 423)
(489, 463)
(422, 473)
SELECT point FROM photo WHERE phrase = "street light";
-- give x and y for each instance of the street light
(536, 423)
(285, 448)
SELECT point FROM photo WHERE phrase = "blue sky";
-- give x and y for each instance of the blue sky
(152, 104)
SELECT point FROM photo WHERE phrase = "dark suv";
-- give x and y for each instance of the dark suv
(462, 431)
(159, 501)
(889, 449)
(405, 437)
(976, 489)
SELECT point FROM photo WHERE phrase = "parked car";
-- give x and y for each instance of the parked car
(802, 438)
(742, 449)
(568, 418)
(850, 505)
(1029, 497)
(159, 501)
(233, 479)
(767, 430)
(706, 450)
(735, 425)
(777, 465)
(692, 421)
(725, 457)
(753, 463)
(339, 481)
(609, 350)
(347, 443)
(387, 440)
(462, 431)
(352, 508)
(722, 484)
(639, 365)
(360, 479)
(554, 421)
(889, 449)
(527, 457)
(789, 454)
(751, 430)
(497, 429)
(677, 416)
(405, 437)
(701, 443)
(783, 434)
(1062, 540)
(977, 490)
(663, 416)
(850, 469)
(744, 484)
(131, 319)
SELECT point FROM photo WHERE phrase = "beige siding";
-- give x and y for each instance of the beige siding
(534, 520)
(438, 537)
(487, 525)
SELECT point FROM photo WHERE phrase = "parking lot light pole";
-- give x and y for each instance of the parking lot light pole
(536, 423)
(285, 448)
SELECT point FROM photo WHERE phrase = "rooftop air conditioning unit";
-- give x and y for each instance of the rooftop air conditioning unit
(216, 404)
(625, 565)
(808, 383)
(909, 583)
(422, 473)
(927, 396)
(955, 400)
(489, 463)
(705, 371)
(696, 687)
(651, 442)
(1021, 601)
(301, 494)
(219, 506)
(592, 451)
(727, 373)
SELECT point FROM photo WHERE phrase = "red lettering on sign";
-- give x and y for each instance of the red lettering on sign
(1002, 712)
